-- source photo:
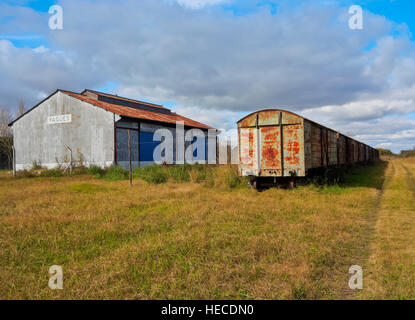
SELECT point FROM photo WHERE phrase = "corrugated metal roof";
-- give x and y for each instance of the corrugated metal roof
(138, 113)
(123, 98)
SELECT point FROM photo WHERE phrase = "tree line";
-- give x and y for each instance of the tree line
(6, 135)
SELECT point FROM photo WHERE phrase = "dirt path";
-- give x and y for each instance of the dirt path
(390, 270)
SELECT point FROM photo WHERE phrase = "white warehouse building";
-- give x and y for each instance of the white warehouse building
(93, 127)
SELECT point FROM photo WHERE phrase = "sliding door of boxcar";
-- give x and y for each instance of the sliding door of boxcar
(270, 151)
(293, 138)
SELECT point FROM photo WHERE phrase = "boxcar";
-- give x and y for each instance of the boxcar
(279, 143)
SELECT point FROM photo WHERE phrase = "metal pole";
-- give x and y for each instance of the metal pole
(14, 162)
(228, 151)
(129, 158)
(71, 164)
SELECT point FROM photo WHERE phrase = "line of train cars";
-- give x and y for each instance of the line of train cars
(275, 144)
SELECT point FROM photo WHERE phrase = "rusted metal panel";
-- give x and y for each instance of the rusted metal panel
(316, 146)
(291, 118)
(293, 137)
(249, 121)
(308, 148)
(356, 151)
(269, 117)
(248, 151)
(324, 147)
(352, 144)
(270, 151)
(361, 152)
(332, 147)
(342, 149)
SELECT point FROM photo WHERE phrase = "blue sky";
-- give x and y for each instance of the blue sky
(217, 60)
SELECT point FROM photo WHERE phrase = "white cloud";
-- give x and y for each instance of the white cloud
(199, 4)
(217, 67)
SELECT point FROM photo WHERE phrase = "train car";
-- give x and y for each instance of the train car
(278, 143)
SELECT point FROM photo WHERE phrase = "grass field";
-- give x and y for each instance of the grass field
(190, 240)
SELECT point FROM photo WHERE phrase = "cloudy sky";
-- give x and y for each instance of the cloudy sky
(218, 60)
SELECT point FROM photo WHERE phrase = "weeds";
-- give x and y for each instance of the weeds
(96, 171)
(51, 173)
(152, 174)
(37, 165)
(116, 173)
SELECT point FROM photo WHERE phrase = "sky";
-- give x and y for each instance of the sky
(219, 60)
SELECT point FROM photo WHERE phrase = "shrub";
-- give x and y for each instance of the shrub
(116, 173)
(51, 173)
(198, 173)
(179, 173)
(385, 152)
(80, 170)
(96, 171)
(151, 174)
(25, 174)
(224, 177)
(36, 165)
(209, 179)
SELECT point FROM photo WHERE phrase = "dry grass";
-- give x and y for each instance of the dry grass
(185, 240)
(391, 267)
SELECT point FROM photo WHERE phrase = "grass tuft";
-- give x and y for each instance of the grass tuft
(116, 173)
(152, 174)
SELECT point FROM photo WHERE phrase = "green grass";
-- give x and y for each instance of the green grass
(116, 173)
(152, 174)
(52, 173)
(96, 171)
(366, 176)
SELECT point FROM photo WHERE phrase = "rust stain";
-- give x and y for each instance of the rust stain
(293, 149)
(250, 121)
(269, 117)
(270, 148)
(247, 146)
(139, 113)
(270, 155)
(251, 143)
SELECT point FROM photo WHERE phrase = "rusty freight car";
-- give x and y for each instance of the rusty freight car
(281, 144)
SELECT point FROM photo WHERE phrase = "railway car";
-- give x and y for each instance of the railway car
(276, 143)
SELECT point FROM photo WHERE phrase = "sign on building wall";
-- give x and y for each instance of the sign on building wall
(64, 118)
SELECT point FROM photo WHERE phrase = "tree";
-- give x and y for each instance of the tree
(5, 119)
(21, 109)
(385, 152)
(6, 138)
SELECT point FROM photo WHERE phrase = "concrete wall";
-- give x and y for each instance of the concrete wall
(90, 134)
